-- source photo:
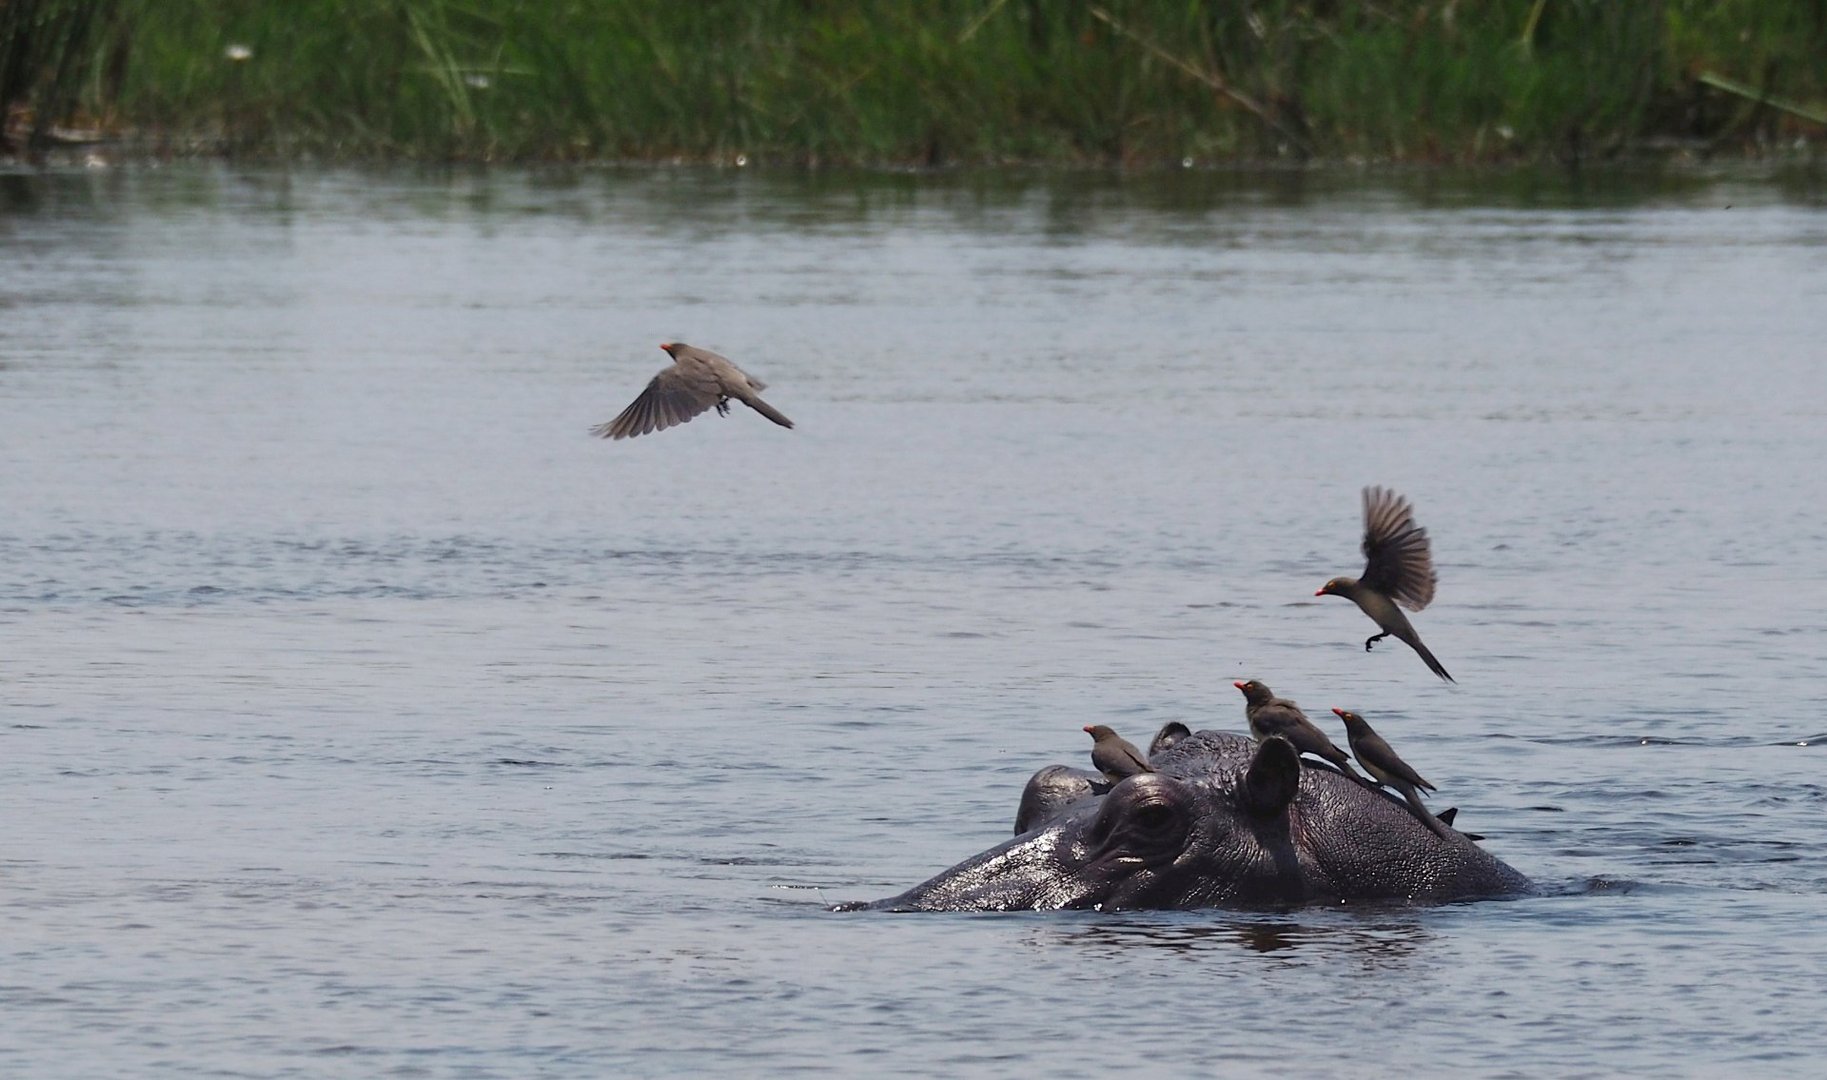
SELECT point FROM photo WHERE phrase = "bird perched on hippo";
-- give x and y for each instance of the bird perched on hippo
(1270, 715)
(1113, 755)
(1387, 768)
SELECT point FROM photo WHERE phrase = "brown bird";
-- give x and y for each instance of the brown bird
(1387, 769)
(697, 380)
(1270, 715)
(1113, 755)
(1398, 568)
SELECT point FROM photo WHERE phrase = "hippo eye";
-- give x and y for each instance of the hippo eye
(1154, 817)
(1143, 817)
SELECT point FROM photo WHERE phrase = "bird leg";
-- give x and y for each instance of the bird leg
(1373, 639)
(723, 406)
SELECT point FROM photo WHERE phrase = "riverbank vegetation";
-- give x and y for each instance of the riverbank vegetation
(917, 81)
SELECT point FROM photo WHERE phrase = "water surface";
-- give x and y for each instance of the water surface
(360, 715)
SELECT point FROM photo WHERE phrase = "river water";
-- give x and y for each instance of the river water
(361, 715)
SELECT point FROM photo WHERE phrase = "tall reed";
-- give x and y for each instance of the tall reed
(926, 81)
(53, 55)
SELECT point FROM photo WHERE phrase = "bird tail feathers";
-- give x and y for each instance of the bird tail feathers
(1420, 809)
(1433, 665)
(768, 411)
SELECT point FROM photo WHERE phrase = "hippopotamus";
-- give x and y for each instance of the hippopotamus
(1223, 821)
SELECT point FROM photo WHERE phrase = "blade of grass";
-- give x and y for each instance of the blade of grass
(1211, 79)
(1816, 113)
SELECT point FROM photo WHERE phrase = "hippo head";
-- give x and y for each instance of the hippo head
(1222, 821)
(1157, 840)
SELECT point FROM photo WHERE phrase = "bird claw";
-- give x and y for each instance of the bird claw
(723, 406)
(1372, 640)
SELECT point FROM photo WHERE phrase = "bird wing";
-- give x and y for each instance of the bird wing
(1387, 760)
(674, 396)
(1397, 559)
(1137, 758)
(730, 378)
(1279, 716)
(1109, 758)
(1288, 706)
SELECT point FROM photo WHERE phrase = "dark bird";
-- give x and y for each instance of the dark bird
(697, 380)
(1113, 755)
(1398, 569)
(1270, 715)
(1387, 769)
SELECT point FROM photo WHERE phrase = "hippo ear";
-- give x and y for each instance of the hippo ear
(1171, 732)
(1273, 778)
(1050, 791)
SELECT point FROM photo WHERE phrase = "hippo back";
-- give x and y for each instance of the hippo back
(1354, 841)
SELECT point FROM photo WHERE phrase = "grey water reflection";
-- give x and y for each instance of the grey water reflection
(1376, 940)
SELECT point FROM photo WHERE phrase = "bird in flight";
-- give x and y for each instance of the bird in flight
(696, 380)
(1398, 569)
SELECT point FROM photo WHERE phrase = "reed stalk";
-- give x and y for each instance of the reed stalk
(918, 81)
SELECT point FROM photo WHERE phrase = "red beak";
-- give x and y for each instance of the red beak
(1338, 712)
(1321, 592)
(1238, 685)
(1086, 729)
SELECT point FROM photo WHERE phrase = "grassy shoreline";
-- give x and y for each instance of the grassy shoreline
(919, 82)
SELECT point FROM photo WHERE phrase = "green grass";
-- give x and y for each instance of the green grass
(919, 81)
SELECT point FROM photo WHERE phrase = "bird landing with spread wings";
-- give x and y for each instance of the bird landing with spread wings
(698, 379)
(1398, 569)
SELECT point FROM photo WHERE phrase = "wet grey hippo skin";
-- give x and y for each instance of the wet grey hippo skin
(1222, 822)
